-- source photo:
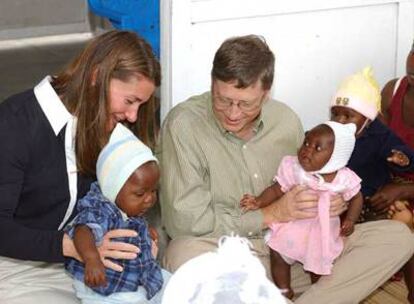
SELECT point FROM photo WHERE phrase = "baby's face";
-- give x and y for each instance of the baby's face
(317, 148)
(346, 115)
(139, 193)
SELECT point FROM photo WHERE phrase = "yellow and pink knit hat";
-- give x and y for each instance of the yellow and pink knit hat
(361, 93)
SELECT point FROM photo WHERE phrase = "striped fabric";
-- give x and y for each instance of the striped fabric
(206, 170)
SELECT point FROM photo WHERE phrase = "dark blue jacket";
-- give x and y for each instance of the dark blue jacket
(34, 190)
(369, 159)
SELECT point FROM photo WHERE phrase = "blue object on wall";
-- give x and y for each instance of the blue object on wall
(140, 16)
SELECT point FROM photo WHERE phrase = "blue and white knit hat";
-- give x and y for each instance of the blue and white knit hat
(121, 156)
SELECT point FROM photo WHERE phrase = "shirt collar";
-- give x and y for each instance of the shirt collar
(257, 124)
(56, 113)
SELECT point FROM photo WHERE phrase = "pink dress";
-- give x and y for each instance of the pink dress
(314, 242)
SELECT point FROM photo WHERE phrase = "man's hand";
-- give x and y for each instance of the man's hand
(338, 205)
(298, 203)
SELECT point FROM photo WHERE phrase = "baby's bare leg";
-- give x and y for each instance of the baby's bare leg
(281, 274)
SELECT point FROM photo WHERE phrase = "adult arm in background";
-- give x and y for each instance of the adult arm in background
(386, 97)
(391, 192)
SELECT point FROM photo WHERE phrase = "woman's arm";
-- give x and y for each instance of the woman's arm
(25, 233)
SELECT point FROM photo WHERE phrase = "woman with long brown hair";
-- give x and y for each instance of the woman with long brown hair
(51, 137)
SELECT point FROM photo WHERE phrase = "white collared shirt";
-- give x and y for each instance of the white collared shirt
(58, 116)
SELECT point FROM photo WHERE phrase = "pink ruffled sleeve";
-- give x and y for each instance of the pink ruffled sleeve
(286, 176)
(353, 182)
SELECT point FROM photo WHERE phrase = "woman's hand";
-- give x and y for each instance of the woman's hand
(108, 248)
(298, 203)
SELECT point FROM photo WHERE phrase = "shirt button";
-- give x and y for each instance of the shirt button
(255, 175)
(244, 146)
(250, 233)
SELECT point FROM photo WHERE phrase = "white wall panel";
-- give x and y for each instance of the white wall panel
(317, 43)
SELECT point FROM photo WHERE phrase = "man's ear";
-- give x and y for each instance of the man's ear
(267, 95)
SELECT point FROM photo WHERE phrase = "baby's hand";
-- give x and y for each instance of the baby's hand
(154, 241)
(154, 248)
(249, 202)
(398, 158)
(153, 233)
(347, 227)
(95, 273)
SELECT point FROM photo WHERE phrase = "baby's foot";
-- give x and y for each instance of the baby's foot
(399, 211)
(314, 277)
(287, 293)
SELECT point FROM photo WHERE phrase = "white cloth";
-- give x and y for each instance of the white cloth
(88, 296)
(230, 275)
(27, 282)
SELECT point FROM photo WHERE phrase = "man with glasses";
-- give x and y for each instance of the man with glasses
(217, 146)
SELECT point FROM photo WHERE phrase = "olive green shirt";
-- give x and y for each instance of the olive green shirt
(205, 170)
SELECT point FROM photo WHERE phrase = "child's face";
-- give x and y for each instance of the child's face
(346, 115)
(317, 148)
(139, 193)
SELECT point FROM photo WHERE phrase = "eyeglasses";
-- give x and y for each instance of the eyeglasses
(224, 103)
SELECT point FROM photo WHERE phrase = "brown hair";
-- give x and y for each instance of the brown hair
(84, 89)
(245, 59)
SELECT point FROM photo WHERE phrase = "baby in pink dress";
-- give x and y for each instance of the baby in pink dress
(318, 241)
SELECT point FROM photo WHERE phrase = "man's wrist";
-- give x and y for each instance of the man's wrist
(271, 214)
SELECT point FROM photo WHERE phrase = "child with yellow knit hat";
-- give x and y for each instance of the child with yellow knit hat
(378, 151)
